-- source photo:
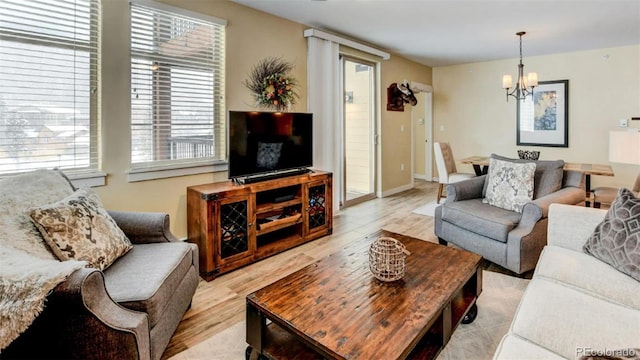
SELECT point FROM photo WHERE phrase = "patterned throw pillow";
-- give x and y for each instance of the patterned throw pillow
(510, 184)
(546, 180)
(269, 155)
(79, 228)
(616, 240)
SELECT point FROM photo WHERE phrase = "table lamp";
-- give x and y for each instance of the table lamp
(624, 147)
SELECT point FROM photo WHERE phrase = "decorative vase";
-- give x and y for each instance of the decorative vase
(387, 259)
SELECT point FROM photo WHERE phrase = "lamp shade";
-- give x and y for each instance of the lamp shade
(624, 147)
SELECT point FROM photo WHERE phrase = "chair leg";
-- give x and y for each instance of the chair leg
(439, 195)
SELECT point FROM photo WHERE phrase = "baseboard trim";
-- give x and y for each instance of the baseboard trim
(397, 190)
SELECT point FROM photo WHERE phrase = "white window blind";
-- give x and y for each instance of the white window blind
(49, 62)
(177, 87)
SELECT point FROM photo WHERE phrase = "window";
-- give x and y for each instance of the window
(177, 87)
(49, 63)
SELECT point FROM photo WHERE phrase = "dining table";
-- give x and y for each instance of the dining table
(481, 166)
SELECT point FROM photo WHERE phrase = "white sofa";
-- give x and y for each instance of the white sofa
(574, 303)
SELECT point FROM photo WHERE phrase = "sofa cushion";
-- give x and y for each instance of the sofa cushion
(79, 228)
(588, 274)
(483, 219)
(510, 185)
(616, 240)
(563, 319)
(547, 178)
(145, 279)
(517, 348)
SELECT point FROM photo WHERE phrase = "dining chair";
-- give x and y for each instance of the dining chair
(447, 172)
(606, 195)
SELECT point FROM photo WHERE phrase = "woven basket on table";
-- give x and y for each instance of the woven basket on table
(387, 259)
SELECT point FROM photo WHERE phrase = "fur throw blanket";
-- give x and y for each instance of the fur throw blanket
(28, 270)
(25, 282)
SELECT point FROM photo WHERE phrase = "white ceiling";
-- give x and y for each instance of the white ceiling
(447, 32)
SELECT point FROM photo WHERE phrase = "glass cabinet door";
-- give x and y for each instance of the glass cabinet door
(233, 231)
(317, 216)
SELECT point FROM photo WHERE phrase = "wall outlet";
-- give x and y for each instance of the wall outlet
(441, 127)
(401, 167)
(401, 128)
(623, 123)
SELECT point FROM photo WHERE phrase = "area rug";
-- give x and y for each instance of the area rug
(427, 209)
(496, 306)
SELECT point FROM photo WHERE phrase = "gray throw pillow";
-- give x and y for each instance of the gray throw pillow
(547, 178)
(616, 240)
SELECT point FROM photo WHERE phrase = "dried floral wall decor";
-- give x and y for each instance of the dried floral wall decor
(271, 84)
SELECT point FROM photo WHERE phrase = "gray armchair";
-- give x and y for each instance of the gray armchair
(129, 311)
(510, 239)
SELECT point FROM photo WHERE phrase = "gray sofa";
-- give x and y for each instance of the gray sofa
(508, 238)
(128, 311)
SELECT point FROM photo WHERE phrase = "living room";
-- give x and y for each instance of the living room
(469, 107)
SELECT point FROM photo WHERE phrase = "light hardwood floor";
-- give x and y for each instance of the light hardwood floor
(219, 304)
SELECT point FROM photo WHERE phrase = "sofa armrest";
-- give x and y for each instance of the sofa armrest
(571, 226)
(466, 189)
(538, 209)
(81, 321)
(568, 196)
(144, 227)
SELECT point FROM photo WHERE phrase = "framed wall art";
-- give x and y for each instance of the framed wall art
(543, 120)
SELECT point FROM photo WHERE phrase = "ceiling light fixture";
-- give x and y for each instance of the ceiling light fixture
(525, 85)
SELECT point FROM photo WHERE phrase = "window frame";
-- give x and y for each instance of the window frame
(159, 168)
(90, 175)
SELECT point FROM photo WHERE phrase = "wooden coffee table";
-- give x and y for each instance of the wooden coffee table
(336, 309)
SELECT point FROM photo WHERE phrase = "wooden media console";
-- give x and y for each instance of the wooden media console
(235, 225)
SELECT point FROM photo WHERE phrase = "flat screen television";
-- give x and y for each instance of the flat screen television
(262, 143)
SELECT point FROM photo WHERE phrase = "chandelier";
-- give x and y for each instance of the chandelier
(525, 85)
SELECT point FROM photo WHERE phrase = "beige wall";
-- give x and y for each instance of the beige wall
(396, 144)
(604, 86)
(251, 36)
